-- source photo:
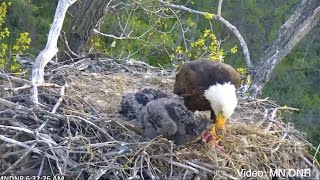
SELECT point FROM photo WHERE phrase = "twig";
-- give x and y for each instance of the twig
(182, 165)
(288, 108)
(14, 153)
(25, 86)
(41, 166)
(95, 126)
(7, 112)
(121, 152)
(200, 167)
(96, 175)
(17, 128)
(171, 159)
(20, 159)
(14, 106)
(62, 91)
(219, 7)
(14, 79)
(226, 23)
(112, 144)
(28, 86)
(18, 143)
(211, 166)
(122, 37)
(67, 45)
(315, 154)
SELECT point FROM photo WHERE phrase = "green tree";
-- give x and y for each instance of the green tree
(20, 45)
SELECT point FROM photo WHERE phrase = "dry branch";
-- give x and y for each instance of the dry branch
(219, 7)
(51, 47)
(92, 139)
(56, 106)
(14, 79)
(225, 22)
(305, 17)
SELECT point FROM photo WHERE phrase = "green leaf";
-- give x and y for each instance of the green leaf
(206, 32)
(208, 15)
(234, 49)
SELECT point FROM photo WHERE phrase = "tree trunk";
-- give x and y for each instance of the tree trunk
(87, 17)
(51, 48)
(305, 17)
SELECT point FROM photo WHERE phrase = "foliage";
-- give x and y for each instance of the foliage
(208, 15)
(158, 40)
(258, 21)
(244, 73)
(4, 32)
(34, 17)
(296, 83)
(207, 45)
(144, 37)
(21, 45)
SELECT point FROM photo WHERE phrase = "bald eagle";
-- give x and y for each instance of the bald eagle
(209, 85)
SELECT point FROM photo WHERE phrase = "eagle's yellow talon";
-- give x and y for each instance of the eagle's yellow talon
(214, 132)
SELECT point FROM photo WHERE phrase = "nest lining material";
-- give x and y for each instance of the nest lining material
(86, 137)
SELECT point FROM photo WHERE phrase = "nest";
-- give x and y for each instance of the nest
(77, 130)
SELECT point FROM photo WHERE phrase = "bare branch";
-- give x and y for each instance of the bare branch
(20, 159)
(226, 23)
(62, 91)
(14, 79)
(243, 43)
(199, 167)
(306, 16)
(182, 165)
(121, 37)
(67, 46)
(219, 7)
(21, 144)
(51, 48)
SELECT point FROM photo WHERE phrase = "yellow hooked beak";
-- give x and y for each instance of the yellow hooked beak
(219, 125)
(220, 121)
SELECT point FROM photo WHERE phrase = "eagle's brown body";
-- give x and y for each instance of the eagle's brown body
(197, 76)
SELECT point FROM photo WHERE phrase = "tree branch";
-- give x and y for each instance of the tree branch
(226, 23)
(51, 48)
(305, 17)
(219, 7)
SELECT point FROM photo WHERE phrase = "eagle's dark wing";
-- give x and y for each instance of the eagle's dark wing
(197, 76)
(189, 86)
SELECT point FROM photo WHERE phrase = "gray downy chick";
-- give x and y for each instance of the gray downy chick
(133, 103)
(171, 119)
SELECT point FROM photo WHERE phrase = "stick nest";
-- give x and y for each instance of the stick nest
(77, 131)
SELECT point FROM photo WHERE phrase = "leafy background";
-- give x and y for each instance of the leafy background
(295, 82)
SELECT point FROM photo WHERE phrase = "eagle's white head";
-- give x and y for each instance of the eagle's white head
(222, 98)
